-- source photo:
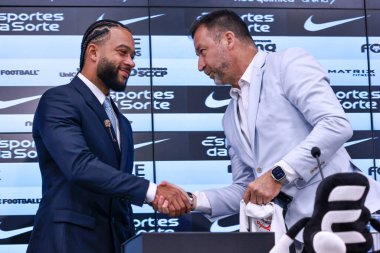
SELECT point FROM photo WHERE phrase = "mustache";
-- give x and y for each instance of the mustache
(207, 71)
(125, 69)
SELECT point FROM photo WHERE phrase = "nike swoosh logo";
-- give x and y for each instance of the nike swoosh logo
(351, 143)
(132, 20)
(313, 27)
(213, 103)
(140, 145)
(215, 227)
(10, 103)
(11, 233)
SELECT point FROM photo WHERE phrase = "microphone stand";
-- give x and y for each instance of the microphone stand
(316, 152)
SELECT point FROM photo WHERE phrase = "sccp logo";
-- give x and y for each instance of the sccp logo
(374, 48)
(30, 22)
(149, 72)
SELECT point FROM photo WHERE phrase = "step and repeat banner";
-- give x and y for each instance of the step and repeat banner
(175, 110)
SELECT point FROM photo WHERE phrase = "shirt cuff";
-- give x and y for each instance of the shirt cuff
(291, 174)
(151, 193)
(203, 204)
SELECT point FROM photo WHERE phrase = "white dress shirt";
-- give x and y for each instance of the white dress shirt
(151, 193)
(241, 94)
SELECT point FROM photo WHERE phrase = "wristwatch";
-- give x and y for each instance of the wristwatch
(279, 175)
(191, 198)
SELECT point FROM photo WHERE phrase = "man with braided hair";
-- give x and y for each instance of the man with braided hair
(85, 150)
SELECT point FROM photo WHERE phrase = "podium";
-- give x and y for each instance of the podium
(199, 242)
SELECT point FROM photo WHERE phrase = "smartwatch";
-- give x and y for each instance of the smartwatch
(279, 175)
(191, 198)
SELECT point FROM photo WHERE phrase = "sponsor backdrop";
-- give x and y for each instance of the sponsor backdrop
(175, 110)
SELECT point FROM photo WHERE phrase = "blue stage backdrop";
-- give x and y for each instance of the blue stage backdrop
(175, 110)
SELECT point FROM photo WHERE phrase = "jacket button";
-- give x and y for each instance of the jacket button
(259, 170)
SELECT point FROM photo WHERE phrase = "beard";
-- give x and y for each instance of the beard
(218, 73)
(108, 73)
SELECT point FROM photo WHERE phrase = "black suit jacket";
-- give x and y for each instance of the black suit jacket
(87, 186)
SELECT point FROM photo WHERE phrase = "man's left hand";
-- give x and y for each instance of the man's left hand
(262, 190)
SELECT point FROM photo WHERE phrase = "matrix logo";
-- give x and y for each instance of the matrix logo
(30, 22)
(353, 72)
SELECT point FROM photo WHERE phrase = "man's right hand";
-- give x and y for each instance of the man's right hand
(171, 200)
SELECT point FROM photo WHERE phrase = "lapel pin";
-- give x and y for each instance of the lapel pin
(107, 124)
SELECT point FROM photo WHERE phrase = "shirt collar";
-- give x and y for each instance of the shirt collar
(235, 93)
(246, 77)
(244, 80)
(94, 89)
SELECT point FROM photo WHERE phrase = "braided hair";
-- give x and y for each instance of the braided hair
(96, 33)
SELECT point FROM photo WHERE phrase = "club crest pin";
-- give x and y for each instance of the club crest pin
(107, 123)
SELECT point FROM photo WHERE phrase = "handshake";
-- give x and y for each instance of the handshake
(172, 200)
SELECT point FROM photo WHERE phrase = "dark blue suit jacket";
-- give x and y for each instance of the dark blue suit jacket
(87, 186)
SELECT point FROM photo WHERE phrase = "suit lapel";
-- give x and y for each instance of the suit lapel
(234, 135)
(94, 104)
(126, 142)
(239, 133)
(254, 96)
(254, 100)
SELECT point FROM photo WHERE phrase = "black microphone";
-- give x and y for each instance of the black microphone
(316, 153)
